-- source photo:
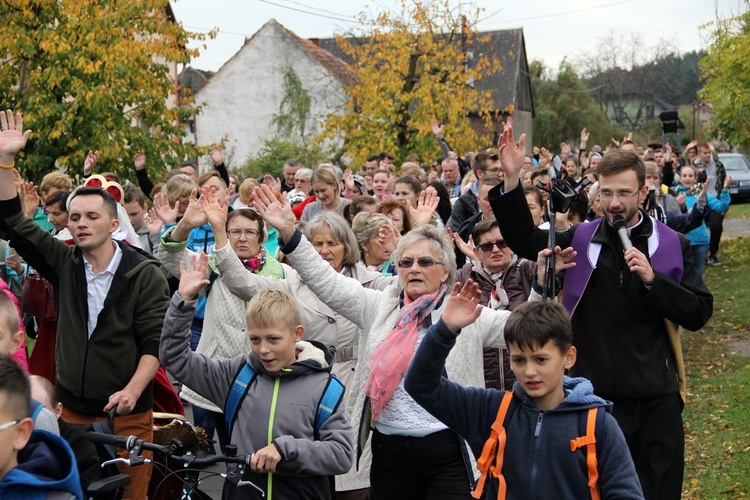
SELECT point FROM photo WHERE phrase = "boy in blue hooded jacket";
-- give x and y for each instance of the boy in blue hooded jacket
(33, 464)
(538, 460)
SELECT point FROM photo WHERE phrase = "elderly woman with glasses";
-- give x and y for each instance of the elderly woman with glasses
(224, 328)
(335, 244)
(505, 282)
(414, 456)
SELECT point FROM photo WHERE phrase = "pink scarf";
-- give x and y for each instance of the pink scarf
(391, 359)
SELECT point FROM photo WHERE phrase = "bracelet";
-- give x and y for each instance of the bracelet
(8, 167)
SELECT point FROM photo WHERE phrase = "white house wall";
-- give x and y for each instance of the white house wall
(240, 100)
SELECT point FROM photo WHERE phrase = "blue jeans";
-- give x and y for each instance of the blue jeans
(700, 252)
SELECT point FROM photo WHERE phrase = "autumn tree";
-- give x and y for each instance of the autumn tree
(726, 72)
(92, 75)
(413, 66)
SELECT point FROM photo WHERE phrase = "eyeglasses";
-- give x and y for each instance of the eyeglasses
(248, 233)
(622, 195)
(8, 425)
(422, 262)
(487, 247)
(494, 170)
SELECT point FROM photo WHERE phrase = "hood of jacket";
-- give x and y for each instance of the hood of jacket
(312, 356)
(579, 394)
(45, 464)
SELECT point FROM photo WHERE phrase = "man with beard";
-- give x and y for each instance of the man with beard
(619, 301)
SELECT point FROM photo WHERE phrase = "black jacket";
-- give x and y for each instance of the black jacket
(618, 326)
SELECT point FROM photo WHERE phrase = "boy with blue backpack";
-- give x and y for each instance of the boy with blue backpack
(550, 437)
(280, 400)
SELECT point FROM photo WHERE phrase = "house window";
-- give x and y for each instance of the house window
(620, 114)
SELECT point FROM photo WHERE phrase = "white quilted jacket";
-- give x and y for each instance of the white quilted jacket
(375, 312)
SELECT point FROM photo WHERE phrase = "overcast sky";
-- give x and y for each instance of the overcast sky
(553, 29)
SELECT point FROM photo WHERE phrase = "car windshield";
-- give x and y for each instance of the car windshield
(735, 163)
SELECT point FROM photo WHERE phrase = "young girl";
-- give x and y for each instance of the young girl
(687, 194)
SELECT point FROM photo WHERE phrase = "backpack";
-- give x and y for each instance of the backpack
(329, 401)
(590, 426)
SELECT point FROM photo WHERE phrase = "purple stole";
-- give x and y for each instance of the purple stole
(664, 250)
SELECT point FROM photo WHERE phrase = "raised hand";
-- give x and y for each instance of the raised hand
(667, 153)
(216, 156)
(272, 182)
(727, 182)
(12, 136)
(91, 159)
(511, 156)
(29, 198)
(193, 276)
(584, 160)
(276, 213)
(388, 237)
(214, 211)
(139, 161)
(194, 215)
(462, 307)
(467, 248)
(546, 154)
(154, 222)
(166, 213)
(437, 129)
(563, 261)
(348, 179)
(584, 136)
(426, 206)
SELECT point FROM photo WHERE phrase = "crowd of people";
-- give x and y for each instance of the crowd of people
(419, 288)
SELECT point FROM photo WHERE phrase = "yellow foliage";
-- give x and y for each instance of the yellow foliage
(86, 73)
(412, 67)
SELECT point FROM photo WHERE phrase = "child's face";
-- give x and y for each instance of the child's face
(540, 372)
(12, 439)
(9, 341)
(275, 346)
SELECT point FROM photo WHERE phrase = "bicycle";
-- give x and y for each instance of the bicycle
(191, 465)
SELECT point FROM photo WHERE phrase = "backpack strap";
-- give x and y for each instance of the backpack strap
(591, 427)
(494, 449)
(242, 382)
(329, 401)
(34, 409)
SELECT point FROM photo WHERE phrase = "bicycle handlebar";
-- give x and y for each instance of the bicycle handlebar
(130, 443)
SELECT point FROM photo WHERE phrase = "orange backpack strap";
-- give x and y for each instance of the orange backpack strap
(493, 450)
(589, 441)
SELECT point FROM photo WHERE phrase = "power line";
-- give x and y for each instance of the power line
(312, 8)
(351, 20)
(575, 11)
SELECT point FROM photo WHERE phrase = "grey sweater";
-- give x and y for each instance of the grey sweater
(290, 421)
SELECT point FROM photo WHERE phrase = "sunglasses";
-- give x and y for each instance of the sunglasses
(422, 262)
(487, 247)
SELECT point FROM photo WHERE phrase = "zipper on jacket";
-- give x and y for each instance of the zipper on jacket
(271, 416)
(538, 428)
(83, 371)
(535, 444)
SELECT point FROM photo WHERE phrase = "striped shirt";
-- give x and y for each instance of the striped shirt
(97, 286)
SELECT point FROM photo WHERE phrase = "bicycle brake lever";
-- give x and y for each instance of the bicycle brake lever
(237, 481)
(128, 462)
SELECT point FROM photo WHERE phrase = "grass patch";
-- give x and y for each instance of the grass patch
(739, 211)
(717, 416)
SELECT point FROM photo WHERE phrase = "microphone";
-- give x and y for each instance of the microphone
(619, 224)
